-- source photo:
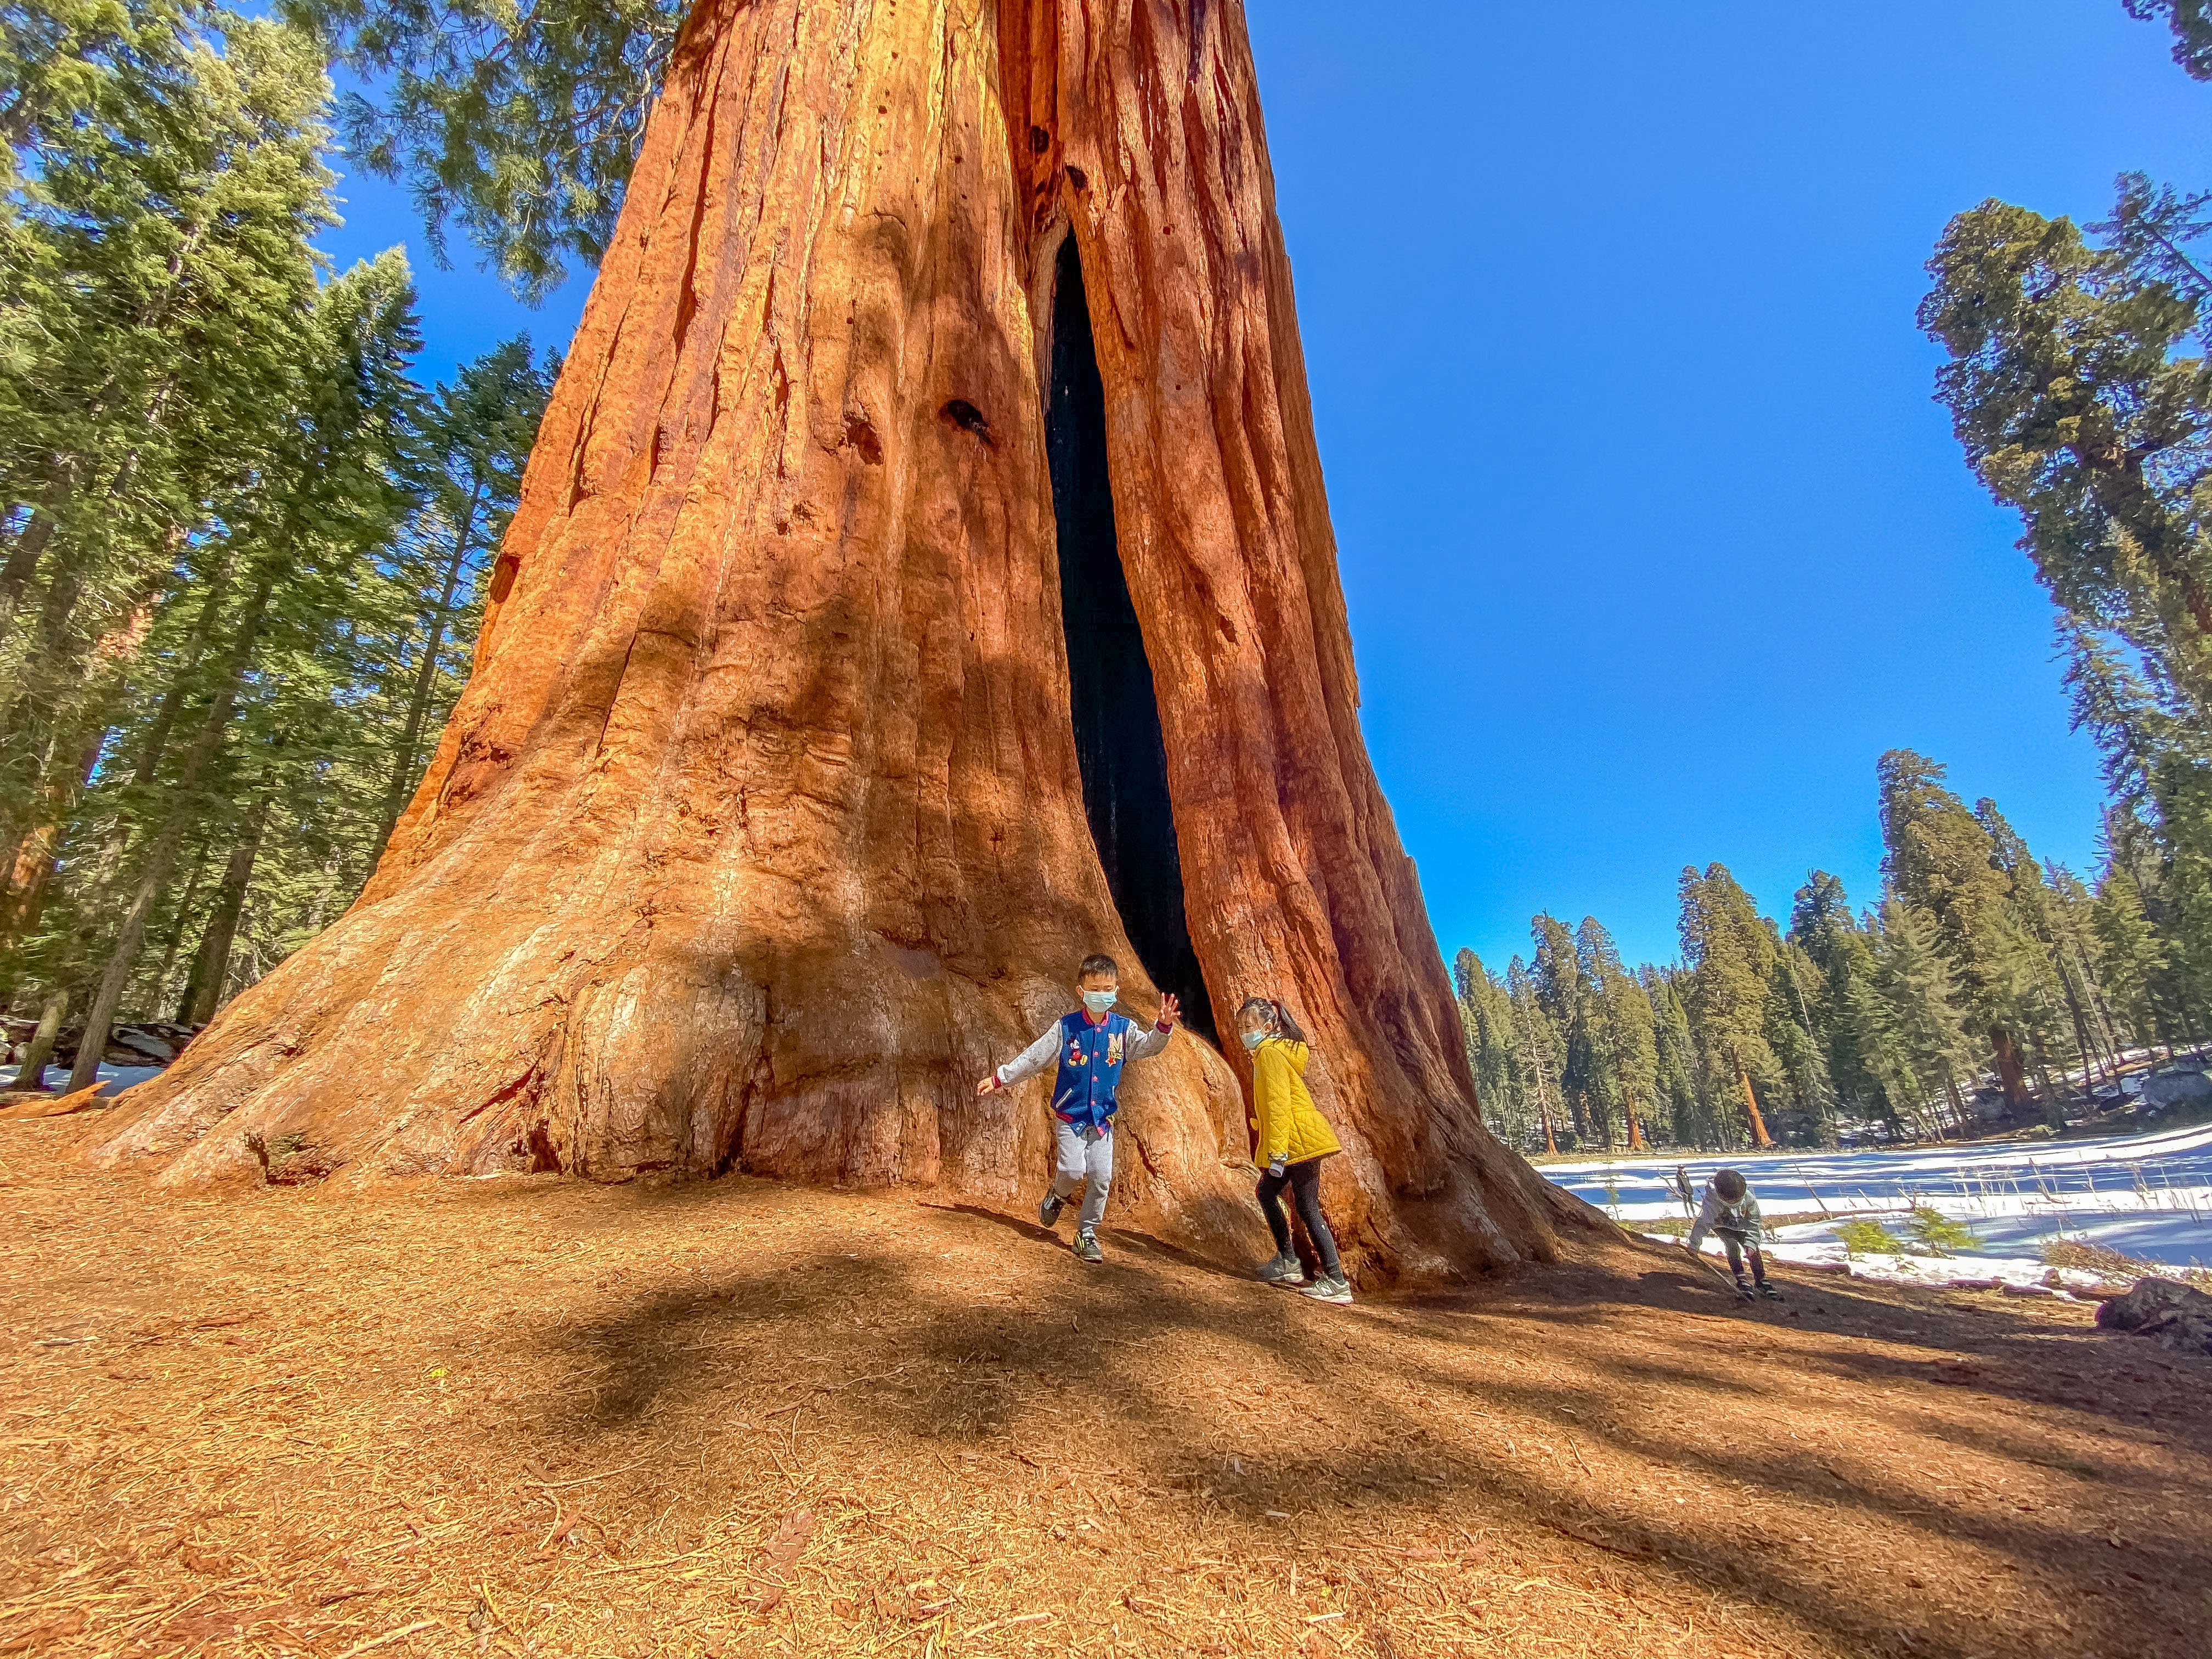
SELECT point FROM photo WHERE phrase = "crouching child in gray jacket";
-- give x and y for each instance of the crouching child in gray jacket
(1090, 1046)
(1731, 1210)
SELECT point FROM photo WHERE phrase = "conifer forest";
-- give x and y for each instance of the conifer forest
(244, 544)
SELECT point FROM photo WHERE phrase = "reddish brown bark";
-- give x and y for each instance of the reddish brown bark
(1759, 1136)
(759, 832)
(2010, 1074)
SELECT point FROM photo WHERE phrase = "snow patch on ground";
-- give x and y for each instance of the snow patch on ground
(2147, 1196)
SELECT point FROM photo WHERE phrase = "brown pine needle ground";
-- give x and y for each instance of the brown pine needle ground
(538, 1417)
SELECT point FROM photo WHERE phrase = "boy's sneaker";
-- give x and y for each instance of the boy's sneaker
(1086, 1249)
(1743, 1287)
(1285, 1270)
(1048, 1212)
(1329, 1287)
(1769, 1291)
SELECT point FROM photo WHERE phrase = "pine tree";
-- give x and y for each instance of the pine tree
(1539, 1045)
(2130, 958)
(1941, 861)
(1681, 1083)
(2042, 999)
(158, 261)
(1730, 955)
(2073, 916)
(1795, 1020)
(519, 120)
(1622, 1016)
(1495, 1050)
(2074, 404)
(472, 441)
(1822, 925)
(1585, 1086)
(283, 575)
(1913, 1019)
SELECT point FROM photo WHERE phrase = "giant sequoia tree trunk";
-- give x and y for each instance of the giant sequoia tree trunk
(769, 819)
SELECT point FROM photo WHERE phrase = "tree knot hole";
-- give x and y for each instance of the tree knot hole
(1040, 141)
(1079, 177)
(964, 414)
(861, 436)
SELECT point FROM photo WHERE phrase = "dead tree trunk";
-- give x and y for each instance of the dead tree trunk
(426, 672)
(761, 828)
(203, 993)
(31, 1075)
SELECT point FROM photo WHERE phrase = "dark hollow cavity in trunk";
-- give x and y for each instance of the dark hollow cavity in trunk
(1118, 743)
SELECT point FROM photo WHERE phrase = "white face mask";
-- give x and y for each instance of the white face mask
(1253, 1039)
(1099, 1001)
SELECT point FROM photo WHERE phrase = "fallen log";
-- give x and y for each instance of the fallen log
(54, 1105)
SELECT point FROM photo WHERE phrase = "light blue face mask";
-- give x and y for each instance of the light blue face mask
(1253, 1039)
(1099, 1002)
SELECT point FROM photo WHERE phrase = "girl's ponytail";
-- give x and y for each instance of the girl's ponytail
(1288, 1026)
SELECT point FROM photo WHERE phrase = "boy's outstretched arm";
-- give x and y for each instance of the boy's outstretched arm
(1044, 1051)
(1142, 1044)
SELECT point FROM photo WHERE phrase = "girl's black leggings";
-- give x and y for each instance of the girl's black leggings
(1303, 1180)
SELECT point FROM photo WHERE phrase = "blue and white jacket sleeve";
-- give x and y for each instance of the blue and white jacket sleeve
(1041, 1055)
(1148, 1040)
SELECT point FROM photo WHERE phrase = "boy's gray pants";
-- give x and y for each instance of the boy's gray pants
(1083, 1157)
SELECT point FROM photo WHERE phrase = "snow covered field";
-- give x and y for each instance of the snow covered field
(2148, 1196)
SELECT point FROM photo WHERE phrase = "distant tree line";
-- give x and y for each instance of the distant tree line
(1977, 960)
(240, 545)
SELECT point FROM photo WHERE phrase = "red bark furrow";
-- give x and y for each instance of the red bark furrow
(760, 831)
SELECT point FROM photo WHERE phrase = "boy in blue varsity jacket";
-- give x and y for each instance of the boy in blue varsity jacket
(1090, 1046)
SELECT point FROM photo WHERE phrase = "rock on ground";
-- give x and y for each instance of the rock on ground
(2172, 1315)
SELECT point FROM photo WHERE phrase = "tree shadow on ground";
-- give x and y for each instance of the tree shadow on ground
(1426, 1402)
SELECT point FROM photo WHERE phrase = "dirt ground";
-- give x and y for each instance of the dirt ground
(534, 1417)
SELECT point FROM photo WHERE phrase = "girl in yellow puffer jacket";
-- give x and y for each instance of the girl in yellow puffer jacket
(1290, 1138)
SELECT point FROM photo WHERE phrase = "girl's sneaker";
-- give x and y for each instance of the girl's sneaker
(1329, 1287)
(1285, 1270)
(1086, 1249)
(1048, 1212)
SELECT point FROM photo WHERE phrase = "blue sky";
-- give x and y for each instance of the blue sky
(1652, 537)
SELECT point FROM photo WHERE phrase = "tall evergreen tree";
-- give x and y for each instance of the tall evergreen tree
(1941, 861)
(1586, 1086)
(1495, 1050)
(158, 263)
(1680, 1087)
(472, 442)
(2043, 1000)
(1540, 1046)
(1730, 955)
(1917, 1040)
(286, 568)
(1822, 926)
(2131, 959)
(1622, 1016)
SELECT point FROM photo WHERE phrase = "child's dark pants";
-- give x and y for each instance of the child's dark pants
(1303, 1179)
(1736, 1244)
